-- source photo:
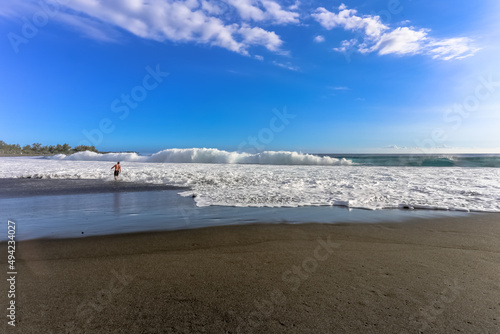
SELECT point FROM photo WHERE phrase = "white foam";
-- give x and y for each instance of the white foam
(209, 155)
(93, 156)
(450, 188)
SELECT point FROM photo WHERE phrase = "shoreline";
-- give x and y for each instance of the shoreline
(388, 225)
(432, 275)
(80, 208)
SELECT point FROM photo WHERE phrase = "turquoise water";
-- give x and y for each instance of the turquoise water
(415, 160)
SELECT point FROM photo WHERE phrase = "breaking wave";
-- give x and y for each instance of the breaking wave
(209, 155)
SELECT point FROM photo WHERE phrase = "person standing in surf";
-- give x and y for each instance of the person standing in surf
(118, 169)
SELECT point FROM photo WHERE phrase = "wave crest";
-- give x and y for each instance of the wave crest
(209, 155)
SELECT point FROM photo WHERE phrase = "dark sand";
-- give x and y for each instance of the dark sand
(440, 276)
(17, 187)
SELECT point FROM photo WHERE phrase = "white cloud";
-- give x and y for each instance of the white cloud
(395, 147)
(452, 48)
(12, 9)
(346, 45)
(347, 19)
(195, 21)
(401, 41)
(211, 8)
(277, 14)
(295, 6)
(288, 66)
(374, 36)
(319, 39)
(260, 36)
(263, 10)
(340, 88)
(247, 9)
(90, 28)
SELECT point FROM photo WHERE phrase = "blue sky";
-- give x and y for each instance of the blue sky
(252, 75)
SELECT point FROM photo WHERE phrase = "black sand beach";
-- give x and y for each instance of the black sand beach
(421, 276)
(10, 188)
(418, 277)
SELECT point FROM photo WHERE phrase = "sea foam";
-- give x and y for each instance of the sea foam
(209, 155)
(266, 185)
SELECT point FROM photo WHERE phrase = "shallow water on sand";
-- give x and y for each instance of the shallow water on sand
(90, 214)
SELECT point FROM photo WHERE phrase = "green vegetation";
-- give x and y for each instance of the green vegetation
(38, 149)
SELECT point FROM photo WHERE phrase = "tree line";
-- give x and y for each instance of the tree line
(37, 148)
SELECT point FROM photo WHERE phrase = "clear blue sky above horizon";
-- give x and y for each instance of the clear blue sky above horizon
(315, 76)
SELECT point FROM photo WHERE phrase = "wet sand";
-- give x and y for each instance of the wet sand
(11, 187)
(430, 276)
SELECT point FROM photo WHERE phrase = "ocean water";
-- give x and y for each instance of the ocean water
(415, 160)
(83, 215)
(469, 183)
(203, 155)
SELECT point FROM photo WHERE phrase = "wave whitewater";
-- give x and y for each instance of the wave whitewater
(254, 185)
(210, 155)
